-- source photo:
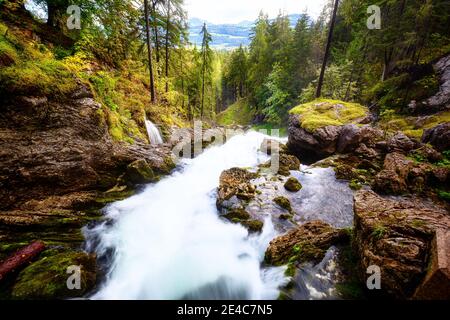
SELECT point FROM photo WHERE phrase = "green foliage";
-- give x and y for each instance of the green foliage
(336, 84)
(325, 112)
(444, 195)
(239, 113)
(355, 185)
(379, 232)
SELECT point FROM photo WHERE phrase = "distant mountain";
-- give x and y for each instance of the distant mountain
(227, 36)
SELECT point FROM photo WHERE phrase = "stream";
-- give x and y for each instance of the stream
(168, 242)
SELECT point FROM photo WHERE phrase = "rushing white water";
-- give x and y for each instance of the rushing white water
(169, 242)
(153, 133)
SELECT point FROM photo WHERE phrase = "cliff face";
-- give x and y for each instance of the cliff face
(51, 147)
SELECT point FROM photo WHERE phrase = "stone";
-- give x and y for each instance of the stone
(235, 182)
(51, 147)
(283, 202)
(400, 143)
(395, 234)
(293, 185)
(393, 178)
(308, 242)
(438, 137)
(139, 172)
(436, 284)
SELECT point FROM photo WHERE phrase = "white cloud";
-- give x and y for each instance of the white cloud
(234, 11)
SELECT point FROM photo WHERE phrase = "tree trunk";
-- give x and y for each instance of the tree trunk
(21, 258)
(167, 45)
(203, 84)
(155, 31)
(327, 50)
(149, 49)
(53, 13)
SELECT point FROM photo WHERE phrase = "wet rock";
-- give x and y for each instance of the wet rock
(253, 226)
(50, 148)
(138, 172)
(400, 143)
(395, 234)
(293, 185)
(349, 138)
(328, 140)
(318, 144)
(436, 285)
(237, 215)
(438, 137)
(235, 182)
(47, 278)
(284, 203)
(287, 163)
(393, 178)
(272, 146)
(308, 242)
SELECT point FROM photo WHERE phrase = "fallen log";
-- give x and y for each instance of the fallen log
(20, 258)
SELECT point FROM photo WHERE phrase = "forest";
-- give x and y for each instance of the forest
(94, 95)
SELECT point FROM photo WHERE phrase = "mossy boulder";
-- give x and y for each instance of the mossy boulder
(293, 185)
(47, 278)
(283, 202)
(325, 112)
(322, 127)
(139, 172)
(236, 182)
(237, 215)
(308, 242)
(253, 225)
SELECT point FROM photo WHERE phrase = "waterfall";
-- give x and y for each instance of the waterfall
(153, 133)
(168, 242)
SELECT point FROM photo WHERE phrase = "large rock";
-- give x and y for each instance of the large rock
(400, 143)
(438, 137)
(441, 100)
(47, 278)
(50, 147)
(315, 145)
(393, 178)
(308, 242)
(328, 140)
(396, 235)
(436, 285)
(235, 182)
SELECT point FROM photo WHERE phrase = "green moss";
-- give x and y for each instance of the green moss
(47, 278)
(444, 195)
(239, 113)
(324, 112)
(253, 225)
(237, 215)
(355, 185)
(379, 232)
(269, 129)
(284, 203)
(293, 185)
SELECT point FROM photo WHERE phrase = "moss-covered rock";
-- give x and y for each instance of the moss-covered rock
(237, 215)
(253, 225)
(47, 278)
(139, 172)
(325, 112)
(283, 202)
(308, 242)
(293, 185)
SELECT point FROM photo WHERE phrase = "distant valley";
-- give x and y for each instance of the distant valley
(226, 36)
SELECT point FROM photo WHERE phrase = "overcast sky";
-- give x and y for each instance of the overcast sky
(234, 11)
